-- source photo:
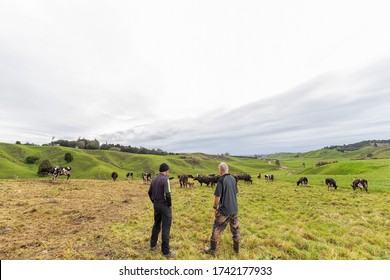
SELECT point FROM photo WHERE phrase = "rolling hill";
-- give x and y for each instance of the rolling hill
(98, 164)
(370, 162)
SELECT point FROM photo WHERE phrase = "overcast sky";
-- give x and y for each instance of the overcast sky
(244, 77)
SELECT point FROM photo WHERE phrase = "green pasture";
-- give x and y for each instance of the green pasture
(99, 164)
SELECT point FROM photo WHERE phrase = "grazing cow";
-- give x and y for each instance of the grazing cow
(146, 176)
(203, 179)
(259, 175)
(214, 179)
(56, 171)
(331, 183)
(303, 181)
(129, 175)
(183, 180)
(114, 175)
(247, 178)
(361, 184)
(269, 177)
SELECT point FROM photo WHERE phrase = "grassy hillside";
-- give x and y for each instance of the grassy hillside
(371, 163)
(99, 164)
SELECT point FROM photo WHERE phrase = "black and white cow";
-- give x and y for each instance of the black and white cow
(56, 171)
(360, 183)
(146, 177)
(114, 176)
(129, 175)
(303, 181)
(269, 177)
(331, 183)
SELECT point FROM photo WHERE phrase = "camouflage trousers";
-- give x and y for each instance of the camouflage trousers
(220, 224)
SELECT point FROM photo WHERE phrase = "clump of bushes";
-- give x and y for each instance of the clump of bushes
(68, 157)
(320, 163)
(32, 159)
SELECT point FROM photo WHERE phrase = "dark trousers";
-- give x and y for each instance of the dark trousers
(162, 218)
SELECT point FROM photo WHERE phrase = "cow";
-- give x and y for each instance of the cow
(191, 185)
(361, 184)
(183, 180)
(203, 179)
(56, 171)
(331, 183)
(129, 175)
(246, 177)
(146, 176)
(303, 181)
(214, 180)
(259, 175)
(114, 175)
(269, 177)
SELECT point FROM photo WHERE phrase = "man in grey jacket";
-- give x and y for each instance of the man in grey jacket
(225, 210)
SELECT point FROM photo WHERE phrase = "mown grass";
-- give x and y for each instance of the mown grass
(102, 219)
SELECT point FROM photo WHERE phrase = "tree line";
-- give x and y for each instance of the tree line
(83, 143)
(356, 146)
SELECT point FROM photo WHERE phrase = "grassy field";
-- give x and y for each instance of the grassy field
(102, 219)
(92, 217)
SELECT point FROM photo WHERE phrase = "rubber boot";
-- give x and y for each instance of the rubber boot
(236, 247)
(211, 250)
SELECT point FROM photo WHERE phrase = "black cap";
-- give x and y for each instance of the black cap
(164, 167)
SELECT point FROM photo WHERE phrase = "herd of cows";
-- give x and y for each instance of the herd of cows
(210, 179)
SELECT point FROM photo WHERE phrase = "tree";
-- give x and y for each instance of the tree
(80, 144)
(92, 145)
(44, 164)
(68, 157)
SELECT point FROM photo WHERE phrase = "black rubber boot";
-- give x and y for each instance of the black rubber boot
(236, 247)
(211, 250)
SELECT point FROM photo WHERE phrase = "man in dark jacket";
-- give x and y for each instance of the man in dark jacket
(160, 194)
(225, 210)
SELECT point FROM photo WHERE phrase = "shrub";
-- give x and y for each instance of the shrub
(68, 157)
(44, 164)
(31, 159)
